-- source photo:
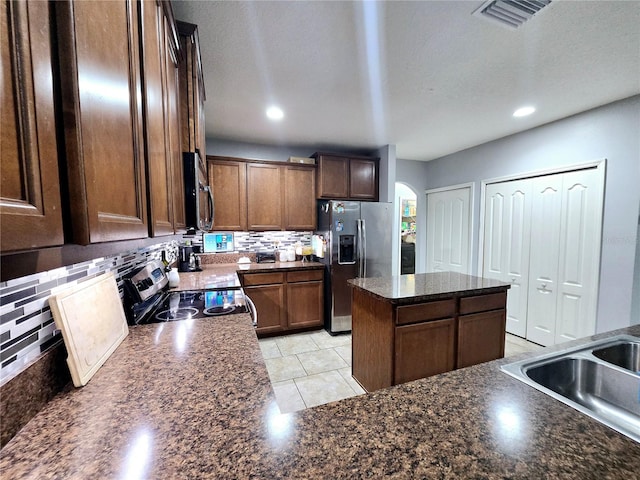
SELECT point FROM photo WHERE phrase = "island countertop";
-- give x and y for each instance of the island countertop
(192, 399)
(401, 289)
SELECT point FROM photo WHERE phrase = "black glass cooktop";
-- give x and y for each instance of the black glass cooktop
(196, 304)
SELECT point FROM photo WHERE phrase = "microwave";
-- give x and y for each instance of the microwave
(198, 197)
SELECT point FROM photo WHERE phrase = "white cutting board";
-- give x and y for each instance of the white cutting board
(92, 321)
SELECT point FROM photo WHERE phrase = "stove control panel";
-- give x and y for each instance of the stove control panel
(149, 280)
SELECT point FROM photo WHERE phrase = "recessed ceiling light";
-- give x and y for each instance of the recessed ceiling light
(275, 113)
(524, 111)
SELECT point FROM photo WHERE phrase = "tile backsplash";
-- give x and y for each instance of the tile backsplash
(263, 241)
(27, 329)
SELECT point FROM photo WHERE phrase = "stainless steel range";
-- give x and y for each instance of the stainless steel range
(148, 300)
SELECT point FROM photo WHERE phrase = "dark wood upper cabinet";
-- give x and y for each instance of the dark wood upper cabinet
(299, 198)
(192, 91)
(261, 195)
(264, 196)
(30, 207)
(347, 177)
(228, 179)
(102, 111)
(156, 127)
(161, 98)
(333, 176)
(173, 123)
(363, 179)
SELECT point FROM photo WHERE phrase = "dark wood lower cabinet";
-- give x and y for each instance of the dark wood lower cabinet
(481, 337)
(286, 301)
(424, 349)
(304, 304)
(269, 302)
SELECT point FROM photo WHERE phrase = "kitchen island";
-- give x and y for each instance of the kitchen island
(413, 326)
(192, 399)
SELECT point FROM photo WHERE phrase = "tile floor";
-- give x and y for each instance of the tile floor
(312, 368)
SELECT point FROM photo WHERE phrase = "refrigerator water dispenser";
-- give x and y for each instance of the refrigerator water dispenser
(346, 250)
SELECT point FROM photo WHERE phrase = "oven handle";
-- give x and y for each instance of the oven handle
(252, 310)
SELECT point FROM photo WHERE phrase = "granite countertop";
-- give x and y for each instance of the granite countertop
(192, 399)
(426, 286)
(225, 275)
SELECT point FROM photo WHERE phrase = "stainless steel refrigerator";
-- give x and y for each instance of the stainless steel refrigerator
(358, 244)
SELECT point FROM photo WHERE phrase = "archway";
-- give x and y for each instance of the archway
(406, 206)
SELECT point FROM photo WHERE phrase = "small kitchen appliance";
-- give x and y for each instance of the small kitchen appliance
(218, 242)
(188, 259)
(265, 257)
(148, 300)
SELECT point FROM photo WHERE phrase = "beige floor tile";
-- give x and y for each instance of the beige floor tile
(324, 340)
(321, 361)
(284, 368)
(293, 344)
(345, 352)
(288, 397)
(323, 388)
(269, 348)
(521, 342)
(347, 375)
(511, 349)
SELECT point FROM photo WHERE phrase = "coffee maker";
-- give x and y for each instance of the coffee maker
(188, 258)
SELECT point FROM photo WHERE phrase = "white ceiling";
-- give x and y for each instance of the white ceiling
(426, 76)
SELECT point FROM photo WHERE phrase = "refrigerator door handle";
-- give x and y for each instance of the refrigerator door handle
(359, 245)
(363, 260)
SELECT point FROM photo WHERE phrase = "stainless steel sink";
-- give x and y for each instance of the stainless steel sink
(600, 379)
(623, 354)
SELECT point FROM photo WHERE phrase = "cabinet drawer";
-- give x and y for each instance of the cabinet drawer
(304, 276)
(425, 311)
(262, 278)
(483, 303)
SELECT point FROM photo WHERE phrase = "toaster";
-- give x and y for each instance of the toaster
(265, 257)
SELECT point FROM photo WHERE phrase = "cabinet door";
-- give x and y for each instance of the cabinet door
(480, 337)
(228, 180)
(424, 349)
(192, 93)
(101, 102)
(269, 302)
(333, 177)
(173, 120)
(264, 197)
(304, 304)
(363, 179)
(300, 198)
(30, 206)
(155, 98)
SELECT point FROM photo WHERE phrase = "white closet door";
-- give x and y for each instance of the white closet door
(545, 246)
(579, 259)
(448, 231)
(506, 245)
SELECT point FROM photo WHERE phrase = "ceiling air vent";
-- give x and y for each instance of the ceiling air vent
(511, 13)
